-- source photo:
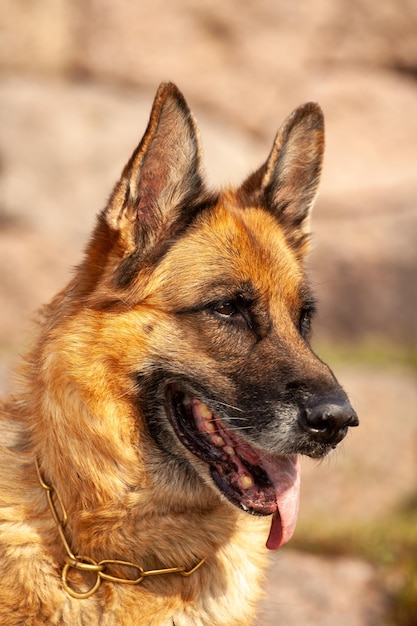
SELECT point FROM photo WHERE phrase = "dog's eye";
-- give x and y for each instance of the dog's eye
(236, 310)
(226, 309)
(304, 323)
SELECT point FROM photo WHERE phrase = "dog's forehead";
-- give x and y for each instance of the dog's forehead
(228, 247)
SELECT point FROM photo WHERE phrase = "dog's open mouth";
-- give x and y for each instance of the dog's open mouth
(258, 483)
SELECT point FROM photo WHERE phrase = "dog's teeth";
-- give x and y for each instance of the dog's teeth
(217, 440)
(229, 450)
(246, 481)
(204, 411)
(210, 426)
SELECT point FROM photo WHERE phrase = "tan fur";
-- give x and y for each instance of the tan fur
(79, 406)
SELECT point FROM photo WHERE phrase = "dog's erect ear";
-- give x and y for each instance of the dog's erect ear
(162, 177)
(287, 183)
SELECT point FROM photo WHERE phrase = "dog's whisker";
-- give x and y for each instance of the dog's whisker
(237, 428)
(233, 417)
(233, 420)
(230, 406)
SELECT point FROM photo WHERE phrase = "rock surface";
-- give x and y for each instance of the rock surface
(306, 590)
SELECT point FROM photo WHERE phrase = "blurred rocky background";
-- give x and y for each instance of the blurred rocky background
(77, 78)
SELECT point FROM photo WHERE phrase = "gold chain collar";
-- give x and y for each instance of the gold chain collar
(88, 565)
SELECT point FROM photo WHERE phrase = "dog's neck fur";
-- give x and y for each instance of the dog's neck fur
(86, 565)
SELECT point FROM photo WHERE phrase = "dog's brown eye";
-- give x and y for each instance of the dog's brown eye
(226, 309)
(236, 310)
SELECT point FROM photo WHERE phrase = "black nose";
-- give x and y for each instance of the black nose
(328, 422)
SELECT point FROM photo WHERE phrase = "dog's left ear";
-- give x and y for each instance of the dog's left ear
(162, 180)
(287, 183)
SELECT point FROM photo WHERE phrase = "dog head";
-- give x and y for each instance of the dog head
(202, 313)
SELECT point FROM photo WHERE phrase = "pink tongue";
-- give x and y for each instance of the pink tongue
(284, 472)
(274, 540)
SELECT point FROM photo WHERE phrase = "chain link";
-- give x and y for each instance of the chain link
(86, 565)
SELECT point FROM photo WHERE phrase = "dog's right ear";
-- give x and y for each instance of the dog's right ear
(162, 180)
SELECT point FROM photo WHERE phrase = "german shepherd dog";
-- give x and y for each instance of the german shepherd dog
(151, 449)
